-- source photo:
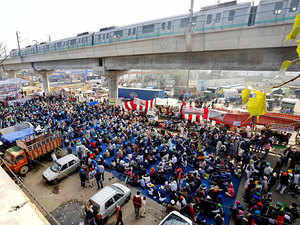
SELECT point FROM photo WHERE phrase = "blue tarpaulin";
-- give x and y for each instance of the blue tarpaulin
(14, 136)
(93, 103)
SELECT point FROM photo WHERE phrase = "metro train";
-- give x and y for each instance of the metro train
(219, 17)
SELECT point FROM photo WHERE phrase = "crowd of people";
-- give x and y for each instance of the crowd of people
(195, 170)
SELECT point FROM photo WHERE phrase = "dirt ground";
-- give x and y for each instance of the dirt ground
(69, 189)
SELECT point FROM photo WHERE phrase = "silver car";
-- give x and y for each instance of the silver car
(61, 168)
(175, 218)
(108, 197)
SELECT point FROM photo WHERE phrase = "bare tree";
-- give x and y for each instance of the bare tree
(3, 55)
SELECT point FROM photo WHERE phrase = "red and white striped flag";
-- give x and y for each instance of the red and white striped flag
(128, 105)
(192, 117)
(138, 105)
(190, 113)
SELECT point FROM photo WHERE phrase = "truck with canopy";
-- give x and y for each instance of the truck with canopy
(18, 158)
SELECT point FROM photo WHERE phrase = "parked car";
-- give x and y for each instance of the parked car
(176, 218)
(108, 197)
(61, 168)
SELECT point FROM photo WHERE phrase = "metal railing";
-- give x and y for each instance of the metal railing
(51, 219)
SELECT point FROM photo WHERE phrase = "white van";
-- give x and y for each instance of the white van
(176, 218)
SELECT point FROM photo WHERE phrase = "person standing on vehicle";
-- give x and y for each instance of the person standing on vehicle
(119, 215)
(137, 203)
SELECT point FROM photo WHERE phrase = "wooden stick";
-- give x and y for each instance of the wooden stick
(284, 83)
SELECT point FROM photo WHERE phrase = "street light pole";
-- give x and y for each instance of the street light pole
(190, 30)
(17, 33)
(36, 43)
(192, 9)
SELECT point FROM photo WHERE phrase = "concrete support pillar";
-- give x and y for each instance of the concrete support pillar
(113, 82)
(12, 74)
(45, 80)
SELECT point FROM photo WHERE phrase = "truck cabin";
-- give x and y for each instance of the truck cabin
(15, 156)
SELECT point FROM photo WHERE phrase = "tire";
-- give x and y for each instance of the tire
(55, 181)
(105, 220)
(24, 170)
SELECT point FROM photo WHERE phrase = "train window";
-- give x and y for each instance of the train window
(194, 19)
(218, 18)
(184, 22)
(118, 34)
(58, 44)
(107, 36)
(133, 31)
(73, 42)
(278, 8)
(209, 19)
(129, 32)
(169, 25)
(148, 29)
(231, 15)
(294, 5)
(163, 26)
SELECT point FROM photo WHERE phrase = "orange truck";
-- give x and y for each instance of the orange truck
(20, 157)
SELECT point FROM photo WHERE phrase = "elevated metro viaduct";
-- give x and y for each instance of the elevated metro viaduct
(256, 48)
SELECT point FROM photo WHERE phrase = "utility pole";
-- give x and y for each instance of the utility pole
(17, 33)
(190, 30)
(191, 15)
(188, 81)
(192, 8)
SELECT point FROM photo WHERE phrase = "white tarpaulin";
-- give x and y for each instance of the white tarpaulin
(167, 101)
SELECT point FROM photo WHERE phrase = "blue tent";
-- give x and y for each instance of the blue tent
(14, 136)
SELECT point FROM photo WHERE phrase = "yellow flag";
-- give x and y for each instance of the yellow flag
(285, 65)
(296, 29)
(298, 51)
(245, 95)
(257, 106)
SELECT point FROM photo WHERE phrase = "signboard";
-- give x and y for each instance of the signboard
(112, 101)
(217, 115)
(237, 123)
(21, 100)
(289, 129)
(191, 110)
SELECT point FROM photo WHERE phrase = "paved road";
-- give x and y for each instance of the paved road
(64, 200)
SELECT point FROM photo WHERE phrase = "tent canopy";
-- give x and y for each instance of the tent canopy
(17, 127)
(17, 135)
(167, 101)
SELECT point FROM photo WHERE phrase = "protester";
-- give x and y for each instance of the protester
(137, 203)
(143, 213)
(119, 218)
(185, 165)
